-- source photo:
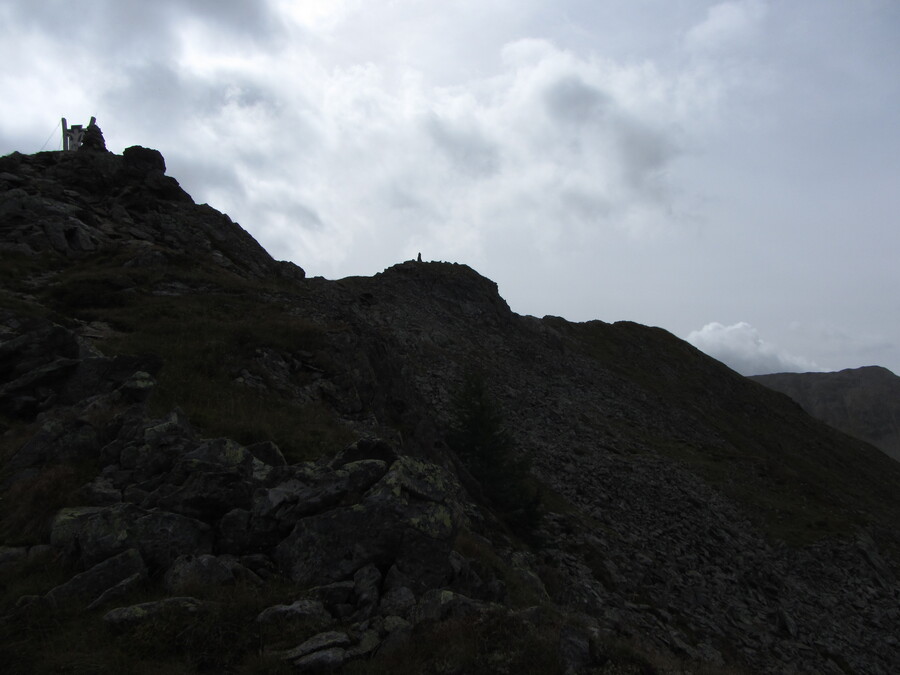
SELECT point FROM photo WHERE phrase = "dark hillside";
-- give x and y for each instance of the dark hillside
(211, 463)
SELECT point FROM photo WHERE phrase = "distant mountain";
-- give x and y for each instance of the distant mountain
(210, 462)
(862, 402)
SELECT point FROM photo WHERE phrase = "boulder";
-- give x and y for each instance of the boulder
(397, 602)
(190, 572)
(91, 584)
(143, 160)
(92, 534)
(366, 585)
(303, 610)
(439, 605)
(127, 617)
(119, 591)
(365, 448)
(409, 518)
(329, 640)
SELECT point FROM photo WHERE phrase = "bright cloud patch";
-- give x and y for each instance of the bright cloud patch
(740, 347)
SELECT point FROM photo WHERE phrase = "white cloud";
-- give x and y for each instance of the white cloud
(727, 25)
(740, 347)
(564, 149)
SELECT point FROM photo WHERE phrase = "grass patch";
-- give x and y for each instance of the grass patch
(206, 327)
(30, 503)
(224, 637)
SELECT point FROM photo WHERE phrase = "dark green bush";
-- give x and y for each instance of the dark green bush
(480, 439)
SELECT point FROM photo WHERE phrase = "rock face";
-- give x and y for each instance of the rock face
(205, 450)
(862, 402)
(81, 203)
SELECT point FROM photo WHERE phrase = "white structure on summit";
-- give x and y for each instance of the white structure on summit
(74, 135)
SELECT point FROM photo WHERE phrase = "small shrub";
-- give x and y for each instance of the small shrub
(481, 441)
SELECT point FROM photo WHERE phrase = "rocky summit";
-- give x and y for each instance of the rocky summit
(213, 463)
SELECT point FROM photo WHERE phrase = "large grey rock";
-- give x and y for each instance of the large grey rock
(190, 572)
(409, 518)
(93, 534)
(296, 497)
(303, 610)
(328, 640)
(115, 593)
(398, 601)
(367, 586)
(366, 449)
(326, 660)
(439, 605)
(92, 583)
(126, 617)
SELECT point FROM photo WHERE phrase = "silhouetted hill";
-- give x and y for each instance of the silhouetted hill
(213, 463)
(863, 402)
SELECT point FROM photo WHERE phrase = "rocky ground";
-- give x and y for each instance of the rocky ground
(213, 463)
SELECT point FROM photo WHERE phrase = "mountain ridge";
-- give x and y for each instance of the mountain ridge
(691, 518)
(863, 402)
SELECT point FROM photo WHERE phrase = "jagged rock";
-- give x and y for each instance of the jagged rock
(322, 641)
(393, 623)
(267, 453)
(366, 585)
(365, 448)
(120, 590)
(398, 601)
(295, 498)
(126, 617)
(93, 534)
(321, 661)
(304, 610)
(197, 571)
(399, 634)
(363, 474)
(143, 159)
(100, 492)
(92, 583)
(409, 518)
(438, 605)
(205, 494)
(365, 646)
(338, 597)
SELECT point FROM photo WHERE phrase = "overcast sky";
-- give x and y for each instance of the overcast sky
(729, 171)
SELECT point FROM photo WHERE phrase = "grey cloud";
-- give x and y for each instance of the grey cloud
(468, 149)
(571, 100)
(203, 175)
(128, 29)
(644, 153)
(740, 347)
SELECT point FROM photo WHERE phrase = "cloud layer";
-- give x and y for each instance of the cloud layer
(657, 161)
(740, 347)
